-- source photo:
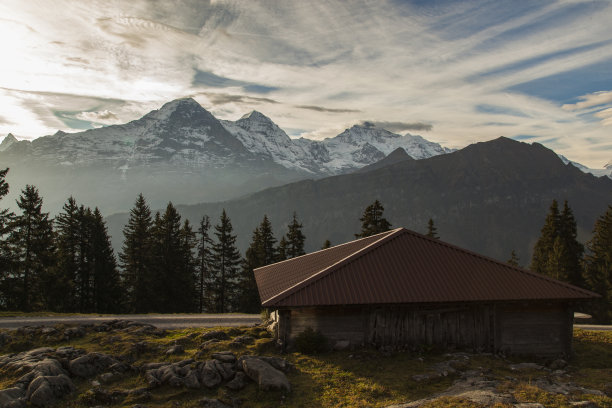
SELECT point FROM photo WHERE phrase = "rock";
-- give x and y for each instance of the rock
(12, 398)
(45, 390)
(276, 362)
(108, 377)
(245, 339)
(107, 397)
(208, 374)
(225, 370)
(224, 357)
(176, 375)
(212, 403)
(120, 368)
(176, 349)
(528, 405)
(90, 364)
(69, 353)
(139, 348)
(558, 364)
(341, 345)
(139, 394)
(215, 334)
(48, 367)
(525, 366)
(266, 376)
(238, 383)
(583, 404)
(74, 332)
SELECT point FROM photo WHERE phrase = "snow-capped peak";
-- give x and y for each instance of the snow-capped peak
(608, 165)
(185, 105)
(7, 142)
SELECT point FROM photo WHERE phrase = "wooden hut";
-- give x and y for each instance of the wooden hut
(400, 288)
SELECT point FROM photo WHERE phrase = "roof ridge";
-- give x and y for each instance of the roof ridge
(327, 270)
(516, 268)
(325, 249)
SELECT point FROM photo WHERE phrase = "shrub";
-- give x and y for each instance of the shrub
(311, 342)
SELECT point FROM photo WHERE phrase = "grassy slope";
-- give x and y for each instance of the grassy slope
(340, 379)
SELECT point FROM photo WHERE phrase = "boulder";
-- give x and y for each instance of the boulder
(46, 390)
(266, 376)
(212, 403)
(341, 345)
(525, 366)
(215, 334)
(225, 370)
(12, 398)
(224, 357)
(176, 349)
(238, 383)
(176, 375)
(276, 362)
(90, 364)
(245, 339)
(208, 374)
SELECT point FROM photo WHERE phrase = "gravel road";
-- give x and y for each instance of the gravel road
(172, 321)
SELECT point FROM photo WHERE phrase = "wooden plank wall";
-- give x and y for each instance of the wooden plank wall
(534, 329)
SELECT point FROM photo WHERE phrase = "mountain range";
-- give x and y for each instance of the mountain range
(181, 152)
(490, 197)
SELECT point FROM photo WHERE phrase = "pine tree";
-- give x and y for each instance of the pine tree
(260, 253)
(204, 257)
(372, 221)
(573, 250)
(6, 219)
(173, 281)
(136, 257)
(108, 294)
(282, 250)
(432, 231)
(540, 262)
(598, 267)
(222, 282)
(32, 246)
(295, 238)
(514, 259)
(326, 244)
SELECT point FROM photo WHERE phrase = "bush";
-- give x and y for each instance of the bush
(311, 342)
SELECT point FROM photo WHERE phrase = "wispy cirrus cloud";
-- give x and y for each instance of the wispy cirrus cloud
(474, 69)
(398, 126)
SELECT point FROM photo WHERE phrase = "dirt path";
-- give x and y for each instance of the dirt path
(172, 321)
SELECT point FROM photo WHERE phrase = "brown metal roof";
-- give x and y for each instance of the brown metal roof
(402, 266)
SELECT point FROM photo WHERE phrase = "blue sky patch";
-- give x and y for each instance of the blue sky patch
(68, 118)
(499, 110)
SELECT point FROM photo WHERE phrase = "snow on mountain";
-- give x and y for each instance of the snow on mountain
(185, 135)
(7, 142)
(606, 171)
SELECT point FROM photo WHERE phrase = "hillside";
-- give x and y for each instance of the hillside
(489, 197)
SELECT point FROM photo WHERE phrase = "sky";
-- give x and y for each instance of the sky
(455, 72)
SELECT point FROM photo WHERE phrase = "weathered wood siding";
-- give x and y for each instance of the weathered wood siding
(533, 329)
(517, 329)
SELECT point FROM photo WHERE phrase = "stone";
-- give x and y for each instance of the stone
(583, 404)
(225, 370)
(266, 376)
(48, 367)
(212, 403)
(245, 339)
(69, 353)
(46, 390)
(276, 362)
(107, 397)
(208, 374)
(224, 357)
(525, 366)
(176, 349)
(215, 334)
(74, 332)
(90, 364)
(529, 405)
(108, 377)
(176, 375)
(238, 382)
(12, 398)
(341, 345)
(558, 364)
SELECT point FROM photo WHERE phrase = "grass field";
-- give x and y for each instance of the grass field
(365, 378)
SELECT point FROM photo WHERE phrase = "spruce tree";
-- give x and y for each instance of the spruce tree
(295, 238)
(598, 267)
(5, 252)
(261, 252)
(372, 221)
(222, 282)
(136, 257)
(432, 231)
(540, 261)
(204, 260)
(573, 250)
(282, 250)
(108, 294)
(173, 280)
(514, 259)
(32, 246)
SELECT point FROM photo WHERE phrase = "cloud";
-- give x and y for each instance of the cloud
(326, 110)
(590, 101)
(606, 116)
(104, 117)
(223, 98)
(397, 126)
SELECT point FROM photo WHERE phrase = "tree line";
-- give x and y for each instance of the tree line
(67, 264)
(558, 254)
